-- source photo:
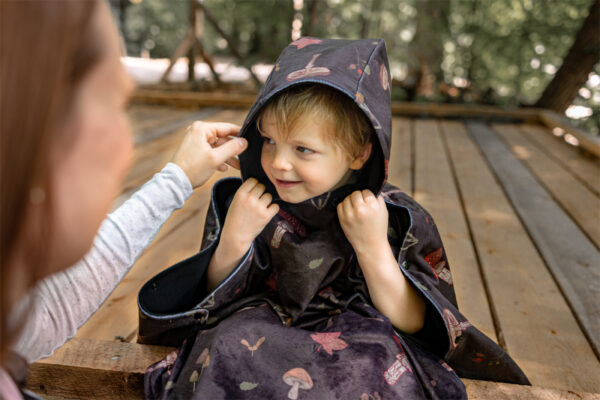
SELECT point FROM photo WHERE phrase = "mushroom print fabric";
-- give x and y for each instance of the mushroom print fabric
(294, 320)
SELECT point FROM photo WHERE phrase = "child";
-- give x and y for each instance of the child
(316, 279)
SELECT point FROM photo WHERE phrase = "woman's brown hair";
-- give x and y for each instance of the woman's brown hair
(46, 48)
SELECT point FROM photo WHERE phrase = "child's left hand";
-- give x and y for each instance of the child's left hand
(364, 219)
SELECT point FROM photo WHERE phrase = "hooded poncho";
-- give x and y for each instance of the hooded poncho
(294, 319)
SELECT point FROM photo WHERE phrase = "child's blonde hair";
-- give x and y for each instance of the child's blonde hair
(349, 127)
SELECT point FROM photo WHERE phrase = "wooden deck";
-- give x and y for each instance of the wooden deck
(519, 213)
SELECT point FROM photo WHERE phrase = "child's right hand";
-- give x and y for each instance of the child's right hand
(249, 213)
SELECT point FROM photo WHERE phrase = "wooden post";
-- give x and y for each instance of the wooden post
(192, 44)
(229, 41)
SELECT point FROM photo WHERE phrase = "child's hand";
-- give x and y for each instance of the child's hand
(364, 219)
(249, 213)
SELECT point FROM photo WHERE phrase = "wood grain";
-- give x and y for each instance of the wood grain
(435, 190)
(576, 199)
(537, 325)
(84, 369)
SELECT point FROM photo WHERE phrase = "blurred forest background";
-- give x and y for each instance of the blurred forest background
(500, 52)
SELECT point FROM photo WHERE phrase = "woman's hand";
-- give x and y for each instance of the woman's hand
(249, 213)
(364, 220)
(206, 148)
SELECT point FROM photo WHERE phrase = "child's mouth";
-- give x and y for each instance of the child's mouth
(286, 184)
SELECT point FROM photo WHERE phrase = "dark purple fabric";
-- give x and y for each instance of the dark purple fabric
(298, 303)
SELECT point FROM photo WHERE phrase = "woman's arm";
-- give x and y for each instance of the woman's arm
(62, 302)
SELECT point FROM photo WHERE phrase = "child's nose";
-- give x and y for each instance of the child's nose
(280, 162)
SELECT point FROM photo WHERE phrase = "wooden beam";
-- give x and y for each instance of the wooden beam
(87, 368)
(196, 99)
(193, 99)
(442, 110)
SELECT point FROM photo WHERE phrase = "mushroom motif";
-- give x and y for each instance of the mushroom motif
(456, 328)
(309, 71)
(297, 378)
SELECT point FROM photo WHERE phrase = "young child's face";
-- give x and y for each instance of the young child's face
(306, 164)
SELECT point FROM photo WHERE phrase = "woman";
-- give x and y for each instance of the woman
(66, 146)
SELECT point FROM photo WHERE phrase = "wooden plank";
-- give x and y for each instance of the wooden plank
(233, 100)
(536, 324)
(150, 157)
(586, 169)
(84, 369)
(401, 164)
(477, 390)
(436, 191)
(152, 116)
(193, 99)
(443, 110)
(140, 113)
(577, 200)
(171, 124)
(587, 141)
(87, 368)
(569, 254)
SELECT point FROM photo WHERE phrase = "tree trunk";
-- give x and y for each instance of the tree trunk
(580, 60)
(427, 45)
(313, 17)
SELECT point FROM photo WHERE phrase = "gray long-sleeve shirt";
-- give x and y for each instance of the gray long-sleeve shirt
(62, 302)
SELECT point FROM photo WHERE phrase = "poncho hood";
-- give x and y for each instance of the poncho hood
(357, 68)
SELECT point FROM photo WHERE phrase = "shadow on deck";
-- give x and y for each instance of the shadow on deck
(518, 210)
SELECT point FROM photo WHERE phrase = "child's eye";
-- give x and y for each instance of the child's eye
(304, 150)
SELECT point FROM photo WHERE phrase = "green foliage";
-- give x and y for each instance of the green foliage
(156, 26)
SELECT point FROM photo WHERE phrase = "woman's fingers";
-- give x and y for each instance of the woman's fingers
(223, 129)
(206, 148)
(231, 148)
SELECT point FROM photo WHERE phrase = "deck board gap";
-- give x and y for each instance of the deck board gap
(549, 192)
(558, 160)
(484, 280)
(545, 248)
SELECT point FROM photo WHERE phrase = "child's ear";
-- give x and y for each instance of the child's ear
(362, 157)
